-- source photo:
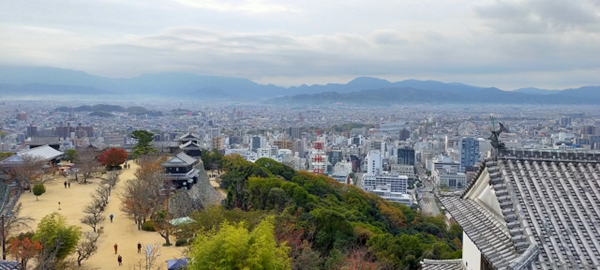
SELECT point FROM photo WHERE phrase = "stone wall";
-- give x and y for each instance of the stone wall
(198, 197)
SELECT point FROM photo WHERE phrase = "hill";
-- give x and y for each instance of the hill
(325, 224)
(28, 81)
(408, 95)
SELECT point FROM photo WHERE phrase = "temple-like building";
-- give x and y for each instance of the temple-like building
(189, 144)
(529, 209)
(181, 171)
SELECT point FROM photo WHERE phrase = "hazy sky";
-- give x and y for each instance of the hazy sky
(503, 43)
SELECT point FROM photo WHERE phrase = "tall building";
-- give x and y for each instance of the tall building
(469, 152)
(404, 134)
(295, 132)
(284, 144)
(334, 156)
(565, 121)
(255, 142)
(216, 143)
(406, 156)
(300, 148)
(374, 165)
(214, 132)
(21, 116)
(32, 131)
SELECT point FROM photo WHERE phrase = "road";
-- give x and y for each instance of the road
(428, 202)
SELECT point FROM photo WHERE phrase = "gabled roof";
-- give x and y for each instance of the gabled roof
(44, 152)
(189, 144)
(12, 160)
(550, 207)
(188, 136)
(180, 159)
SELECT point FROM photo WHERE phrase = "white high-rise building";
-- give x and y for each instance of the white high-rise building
(374, 166)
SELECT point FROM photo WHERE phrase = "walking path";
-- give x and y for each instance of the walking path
(122, 231)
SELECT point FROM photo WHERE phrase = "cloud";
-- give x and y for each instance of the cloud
(540, 16)
(497, 43)
(249, 6)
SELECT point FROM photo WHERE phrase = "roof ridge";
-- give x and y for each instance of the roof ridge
(472, 183)
(514, 219)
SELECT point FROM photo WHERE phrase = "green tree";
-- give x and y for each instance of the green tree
(2, 134)
(38, 189)
(143, 146)
(234, 247)
(57, 237)
(71, 155)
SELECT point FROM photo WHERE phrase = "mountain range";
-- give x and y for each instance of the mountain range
(18, 81)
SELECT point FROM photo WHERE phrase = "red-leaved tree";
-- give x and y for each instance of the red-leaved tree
(113, 157)
(24, 250)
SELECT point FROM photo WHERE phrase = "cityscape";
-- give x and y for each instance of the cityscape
(300, 135)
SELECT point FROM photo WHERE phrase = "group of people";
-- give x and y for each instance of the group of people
(120, 258)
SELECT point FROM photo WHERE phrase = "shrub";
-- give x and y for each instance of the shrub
(148, 226)
(181, 242)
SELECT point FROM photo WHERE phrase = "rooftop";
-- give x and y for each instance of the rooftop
(549, 210)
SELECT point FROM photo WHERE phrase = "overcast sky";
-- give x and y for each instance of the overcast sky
(503, 43)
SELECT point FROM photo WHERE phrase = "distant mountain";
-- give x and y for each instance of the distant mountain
(585, 92)
(535, 91)
(35, 81)
(175, 85)
(106, 110)
(407, 95)
(9, 90)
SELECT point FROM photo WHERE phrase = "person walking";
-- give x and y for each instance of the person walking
(111, 217)
(139, 247)
(65, 184)
(69, 184)
(120, 260)
(116, 247)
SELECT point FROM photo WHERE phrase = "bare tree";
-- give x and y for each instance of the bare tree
(150, 262)
(141, 197)
(103, 193)
(87, 246)
(16, 222)
(94, 215)
(28, 171)
(87, 164)
(112, 178)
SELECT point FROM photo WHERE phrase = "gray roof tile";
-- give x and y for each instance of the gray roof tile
(551, 202)
(442, 265)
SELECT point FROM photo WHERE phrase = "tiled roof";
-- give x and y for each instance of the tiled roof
(550, 201)
(180, 160)
(188, 136)
(442, 265)
(190, 144)
(9, 265)
(483, 229)
(45, 152)
(560, 206)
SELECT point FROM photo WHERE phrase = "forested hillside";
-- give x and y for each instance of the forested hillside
(318, 222)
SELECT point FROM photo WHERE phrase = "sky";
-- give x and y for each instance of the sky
(552, 44)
